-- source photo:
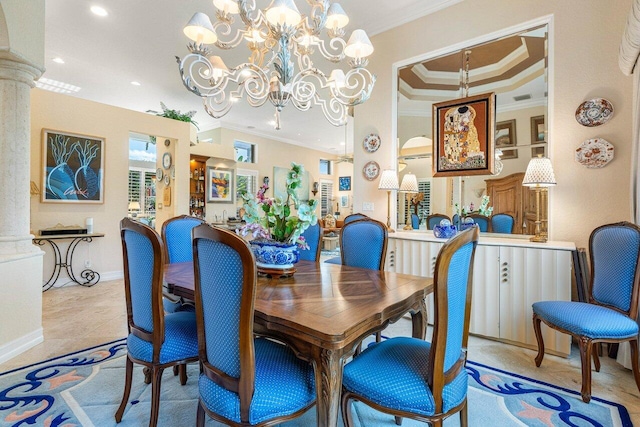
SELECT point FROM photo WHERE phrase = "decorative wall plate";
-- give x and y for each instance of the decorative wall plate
(371, 170)
(594, 112)
(167, 179)
(594, 153)
(371, 143)
(159, 174)
(166, 160)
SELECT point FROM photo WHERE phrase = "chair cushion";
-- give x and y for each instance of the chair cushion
(284, 384)
(394, 374)
(589, 320)
(180, 340)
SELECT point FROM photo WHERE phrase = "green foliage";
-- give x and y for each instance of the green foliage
(177, 115)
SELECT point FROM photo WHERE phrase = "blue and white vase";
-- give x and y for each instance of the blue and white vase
(274, 255)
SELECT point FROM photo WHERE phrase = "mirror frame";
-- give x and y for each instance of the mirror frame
(485, 38)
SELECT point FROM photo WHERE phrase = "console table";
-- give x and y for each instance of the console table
(87, 277)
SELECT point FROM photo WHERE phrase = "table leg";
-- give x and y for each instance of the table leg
(57, 262)
(89, 277)
(419, 320)
(328, 372)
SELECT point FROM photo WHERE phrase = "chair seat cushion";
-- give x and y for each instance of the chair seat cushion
(589, 320)
(394, 374)
(284, 384)
(180, 340)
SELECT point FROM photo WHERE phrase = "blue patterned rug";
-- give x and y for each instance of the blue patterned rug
(85, 388)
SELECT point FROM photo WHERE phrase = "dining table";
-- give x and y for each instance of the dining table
(323, 312)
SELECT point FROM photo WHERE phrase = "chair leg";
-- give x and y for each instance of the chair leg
(398, 420)
(378, 336)
(182, 368)
(176, 370)
(346, 409)
(586, 347)
(156, 381)
(147, 374)
(597, 349)
(127, 389)
(200, 415)
(536, 328)
(634, 362)
(463, 415)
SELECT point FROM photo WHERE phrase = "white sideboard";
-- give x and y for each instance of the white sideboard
(509, 275)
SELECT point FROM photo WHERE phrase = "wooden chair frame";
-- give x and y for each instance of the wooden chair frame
(588, 347)
(245, 384)
(437, 215)
(382, 226)
(513, 221)
(154, 368)
(439, 341)
(483, 217)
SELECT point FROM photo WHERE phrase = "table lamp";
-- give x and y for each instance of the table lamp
(388, 182)
(540, 176)
(134, 208)
(409, 185)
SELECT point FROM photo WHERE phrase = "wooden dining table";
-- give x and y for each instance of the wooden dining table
(323, 312)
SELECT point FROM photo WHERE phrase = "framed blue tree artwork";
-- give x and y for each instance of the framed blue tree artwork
(344, 183)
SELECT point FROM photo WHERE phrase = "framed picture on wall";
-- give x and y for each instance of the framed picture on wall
(506, 134)
(510, 153)
(344, 201)
(540, 150)
(463, 136)
(344, 183)
(220, 185)
(537, 129)
(73, 167)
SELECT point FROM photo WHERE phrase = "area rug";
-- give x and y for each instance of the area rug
(85, 388)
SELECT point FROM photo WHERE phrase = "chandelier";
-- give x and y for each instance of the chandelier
(276, 37)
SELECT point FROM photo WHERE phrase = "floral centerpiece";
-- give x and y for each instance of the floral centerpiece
(274, 227)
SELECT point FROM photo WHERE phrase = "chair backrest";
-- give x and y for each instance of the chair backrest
(225, 286)
(483, 221)
(615, 253)
(143, 257)
(313, 237)
(415, 221)
(434, 219)
(354, 217)
(176, 234)
(502, 223)
(363, 243)
(452, 295)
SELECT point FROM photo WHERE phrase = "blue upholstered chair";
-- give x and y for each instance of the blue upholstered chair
(434, 219)
(502, 223)
(611, 312)
(415, 221)
(484, 223)
(455, 220)
(410, 377)
(244, 380)
(313, 236)
(155, 340)
(347, 220)
(363, 243)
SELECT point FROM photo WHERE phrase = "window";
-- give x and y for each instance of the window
(244, 152)
(326, 193)
(246, 181)
(142, 189)
(325, 167)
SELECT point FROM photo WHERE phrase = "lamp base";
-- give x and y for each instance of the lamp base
(538, 239)
(390, 230)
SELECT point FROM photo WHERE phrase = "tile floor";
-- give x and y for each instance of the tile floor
(77, 317)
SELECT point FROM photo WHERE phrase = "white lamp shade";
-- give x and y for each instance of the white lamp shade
(134, 206)
(388, 180)
(336, 18)
(539, 173)
(359, 45)
(200, 30)
(409, 184)
(283, 12)
(337, 76)
(227, 6)
(219, 67)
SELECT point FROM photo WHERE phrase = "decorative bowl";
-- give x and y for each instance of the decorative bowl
(271, 254)
(444, 231)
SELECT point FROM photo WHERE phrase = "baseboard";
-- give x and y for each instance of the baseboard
(20, 345)
(111, 275)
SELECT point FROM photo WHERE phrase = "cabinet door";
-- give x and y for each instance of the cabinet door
(528, 275)
(485, 297)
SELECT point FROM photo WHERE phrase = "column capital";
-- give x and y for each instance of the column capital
(14, 66)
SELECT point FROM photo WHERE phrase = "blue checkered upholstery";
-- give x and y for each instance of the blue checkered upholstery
(589, 320)
(614, 254)
(502, 223)
(433, 220)
(178, 239)
(482, 221)
(362, 244)
(312, 236)
(284, 384)
(458, 276)
(354, 217)
(180, 340)
(140, 259)
(394, 374)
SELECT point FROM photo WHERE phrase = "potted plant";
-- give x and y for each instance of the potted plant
(177, 115)
(275, 229)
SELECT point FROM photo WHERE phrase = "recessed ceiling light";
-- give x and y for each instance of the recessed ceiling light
(58, 60)
(97, 10)
(135, 83)
(342, 143)
(272, 123)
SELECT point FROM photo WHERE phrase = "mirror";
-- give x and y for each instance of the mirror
(515, 68)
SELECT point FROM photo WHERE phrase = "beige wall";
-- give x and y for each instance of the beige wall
(65, 113)
(585, 35)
